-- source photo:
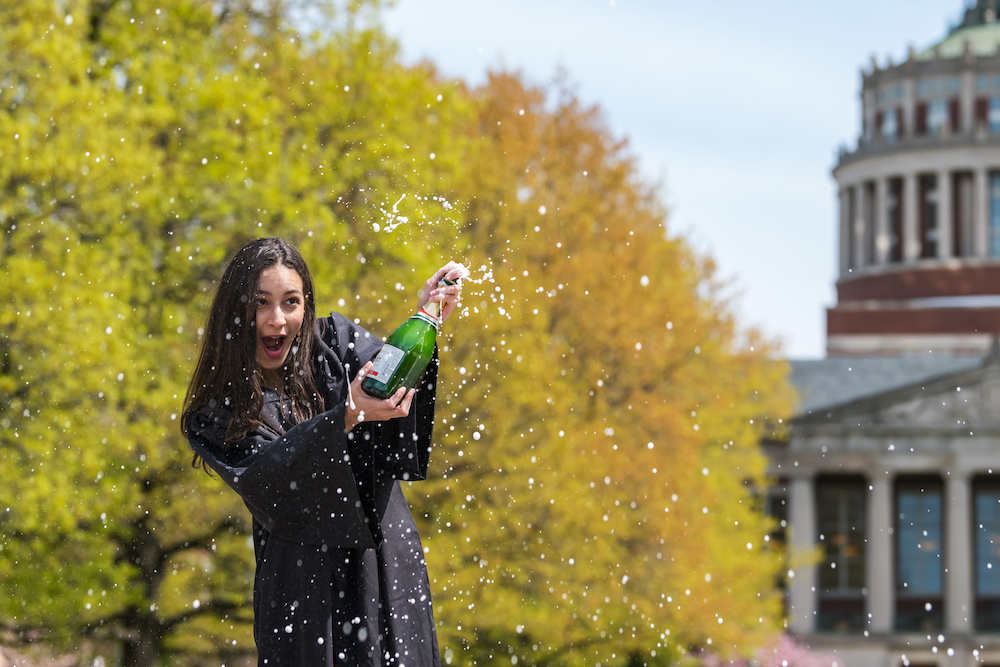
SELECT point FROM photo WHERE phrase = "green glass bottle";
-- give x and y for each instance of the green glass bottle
(406, 352)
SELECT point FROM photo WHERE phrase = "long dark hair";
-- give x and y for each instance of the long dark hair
(227, 378)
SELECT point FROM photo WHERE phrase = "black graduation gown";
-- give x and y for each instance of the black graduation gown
(341, 577)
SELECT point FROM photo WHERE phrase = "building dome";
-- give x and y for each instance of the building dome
(919, 266)
(981, 41)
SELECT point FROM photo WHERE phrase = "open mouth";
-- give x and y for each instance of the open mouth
(273, 345)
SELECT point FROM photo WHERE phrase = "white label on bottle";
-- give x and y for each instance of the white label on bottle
(386, 362)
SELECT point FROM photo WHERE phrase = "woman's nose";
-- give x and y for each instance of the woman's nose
(277, 317)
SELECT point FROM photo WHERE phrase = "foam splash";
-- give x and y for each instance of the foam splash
(485, 276)
(393, 219)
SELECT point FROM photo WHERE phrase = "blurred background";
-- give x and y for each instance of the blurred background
(723, 385)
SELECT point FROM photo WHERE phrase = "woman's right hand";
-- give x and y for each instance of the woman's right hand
(362, 407)
(448, 295)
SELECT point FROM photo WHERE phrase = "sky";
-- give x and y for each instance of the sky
(735, 109)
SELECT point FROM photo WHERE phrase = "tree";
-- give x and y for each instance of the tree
(604, 414)
(142, 144)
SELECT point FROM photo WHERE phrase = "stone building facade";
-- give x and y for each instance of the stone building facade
(890, 475)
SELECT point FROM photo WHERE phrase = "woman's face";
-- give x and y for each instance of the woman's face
(280, 309)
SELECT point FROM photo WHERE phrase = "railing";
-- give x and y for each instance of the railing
(880, 146)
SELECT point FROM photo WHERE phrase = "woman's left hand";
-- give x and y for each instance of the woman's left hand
(448, 295)
(364, 408)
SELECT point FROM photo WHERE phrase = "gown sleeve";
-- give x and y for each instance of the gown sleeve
(299, 486)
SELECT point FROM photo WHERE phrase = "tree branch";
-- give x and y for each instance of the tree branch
(212, 607)
(203, 541)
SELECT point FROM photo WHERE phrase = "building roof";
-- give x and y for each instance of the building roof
(825, 383)
(980, 27)
(983, 41)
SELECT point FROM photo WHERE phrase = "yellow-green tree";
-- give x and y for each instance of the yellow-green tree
(141, 144)
(603, 413)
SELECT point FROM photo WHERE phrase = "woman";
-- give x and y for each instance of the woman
(272, 409)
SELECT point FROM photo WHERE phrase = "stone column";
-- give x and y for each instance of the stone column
(866, 213)
(909, 108)
(844, 230)
(958, 598)
(881, 221)
(879, 555)
(911, 228)
(857, 204)
(946, 234)
(965, 194)
(802, 516)
(868, 111)
(980, 214)
(966, 102)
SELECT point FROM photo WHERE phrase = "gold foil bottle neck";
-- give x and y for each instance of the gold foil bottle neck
(433, 308)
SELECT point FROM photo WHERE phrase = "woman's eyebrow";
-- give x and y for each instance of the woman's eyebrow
(291, 291)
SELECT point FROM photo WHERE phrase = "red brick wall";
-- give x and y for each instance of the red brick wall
(911, 284)
(840, 321)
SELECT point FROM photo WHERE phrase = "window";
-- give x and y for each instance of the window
(987, 567)
(937, 117)
(893, 93)
(894, 207)
(890, 124)
(936, 110)
(993, 116)
(938, 87)
(987, 83)
(919, 603)
(840, 503)
(995, 214)
(928, 215)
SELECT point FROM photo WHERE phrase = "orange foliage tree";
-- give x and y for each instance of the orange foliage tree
(601, 415)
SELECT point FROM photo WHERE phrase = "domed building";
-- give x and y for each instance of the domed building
(888, 484)
(920, 202)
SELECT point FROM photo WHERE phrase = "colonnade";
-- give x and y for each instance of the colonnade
(959, 598)
(865, 233)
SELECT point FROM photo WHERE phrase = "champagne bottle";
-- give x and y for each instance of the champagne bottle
(406, 352)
